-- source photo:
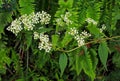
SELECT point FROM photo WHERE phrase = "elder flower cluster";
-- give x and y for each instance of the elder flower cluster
(28, 22)
(44, 41)
(90, 20)
(79, 38)
(64, 19)
(103, 28)
(15, 26)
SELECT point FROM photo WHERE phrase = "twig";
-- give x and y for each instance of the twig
(94, 41)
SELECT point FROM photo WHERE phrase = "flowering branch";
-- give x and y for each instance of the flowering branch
(94, 41)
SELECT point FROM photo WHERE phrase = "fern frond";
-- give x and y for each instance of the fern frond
(88, 67)
(4, 19)
(93, 11)
(26, 6)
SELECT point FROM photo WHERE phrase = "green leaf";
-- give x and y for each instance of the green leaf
(62, 63)
(94, 30)
(115, 16)
(28, 36)
(93, 11)
(87, 66)
(41, 59)
(20, 80)
(94, 58)
(66, 4)
(26, 6)
(42, 78)
(67, 38)
(78, 66)
(69, 3)
(7, 60)
(103, 53)
(55, 39)
(116, 59)
(4, 19)
(43, 29)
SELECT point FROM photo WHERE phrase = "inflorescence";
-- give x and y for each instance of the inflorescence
(90, 20)
(28, 22)
(64, 19)
(44, 41)
(79, 38)
(103, 28)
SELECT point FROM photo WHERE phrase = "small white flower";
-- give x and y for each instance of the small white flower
(15, 26)
(66, 18)
(44, 17)
(73, 31)
(68, 14)
(59, 22)
(103, 28)
(43, 38)
(90, 20)
(48, 47)
(44, 43)
(34, 17)
(79, 38)
(41, 45)
(36, 35)
(85, 34)
(27, 21)
(81, 42)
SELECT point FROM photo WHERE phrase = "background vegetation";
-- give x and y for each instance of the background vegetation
(97, 60)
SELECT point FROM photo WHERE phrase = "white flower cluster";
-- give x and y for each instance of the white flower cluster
(73, 31)
(64, 19)
(15, 26)
(36, 35)
(44, 41)
(44, 18)
(80, 38)
(90, 20)
(28, 21)
(103, 28)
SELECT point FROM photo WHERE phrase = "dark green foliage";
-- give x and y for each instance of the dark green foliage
(97, 60)
(26, 6)
(113, 76)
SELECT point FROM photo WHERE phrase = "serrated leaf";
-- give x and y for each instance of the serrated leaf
(20, 80)
(103, 53)
(41, 60)
(28, 36)
(43, 29)
(78, 66)
(69, 3)
(94, 30)
(93, 11)
(66, 4)
(62, 63)
(7, 60)
(87, 66)
(94, 58)
(116, 60)
(26, 6)
(67, 38)
(55, 40)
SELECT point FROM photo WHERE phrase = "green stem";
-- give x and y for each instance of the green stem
(27, 65)
(94, 41)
